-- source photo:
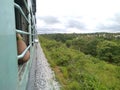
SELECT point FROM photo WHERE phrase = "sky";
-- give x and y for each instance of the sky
(78, 16)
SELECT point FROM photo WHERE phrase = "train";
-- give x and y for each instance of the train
(17, 17)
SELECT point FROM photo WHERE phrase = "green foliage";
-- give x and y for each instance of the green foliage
(92, 46)
(69, 43)
(86, 45)
(109, 51)
(74, 86)
(59, 37)
(77, 71)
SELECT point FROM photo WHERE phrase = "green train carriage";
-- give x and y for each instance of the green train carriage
(16, 17)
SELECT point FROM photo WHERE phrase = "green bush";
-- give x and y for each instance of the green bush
(109, 51)
(77, 71)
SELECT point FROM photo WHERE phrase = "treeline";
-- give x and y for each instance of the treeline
(105, 46)
(76, 69)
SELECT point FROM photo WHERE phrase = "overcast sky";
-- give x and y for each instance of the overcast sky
(78, 16)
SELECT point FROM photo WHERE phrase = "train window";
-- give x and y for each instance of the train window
(25, 32)
(22, 24)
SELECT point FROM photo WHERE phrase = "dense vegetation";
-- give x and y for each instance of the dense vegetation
(84, 61)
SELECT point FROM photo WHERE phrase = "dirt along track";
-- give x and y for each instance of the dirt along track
(41, 76)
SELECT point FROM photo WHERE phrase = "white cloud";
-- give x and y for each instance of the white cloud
(74, 30)
(88, 8)
(91, 13)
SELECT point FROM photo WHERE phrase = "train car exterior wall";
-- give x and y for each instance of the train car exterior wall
(9, 68)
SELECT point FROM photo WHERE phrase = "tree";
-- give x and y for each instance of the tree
(109, 51)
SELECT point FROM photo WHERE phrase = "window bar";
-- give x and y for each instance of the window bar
(32, 27)
(33, 34)
(22, 32)
(26, 5)
(29, 27)
(24, 52)
(21, 11)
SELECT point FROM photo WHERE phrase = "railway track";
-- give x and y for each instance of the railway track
(41, 76)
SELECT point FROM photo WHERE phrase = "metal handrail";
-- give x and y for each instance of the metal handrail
(22, 32)
(21, 11)
(24, 52)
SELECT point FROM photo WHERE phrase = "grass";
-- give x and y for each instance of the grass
(76, 71)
